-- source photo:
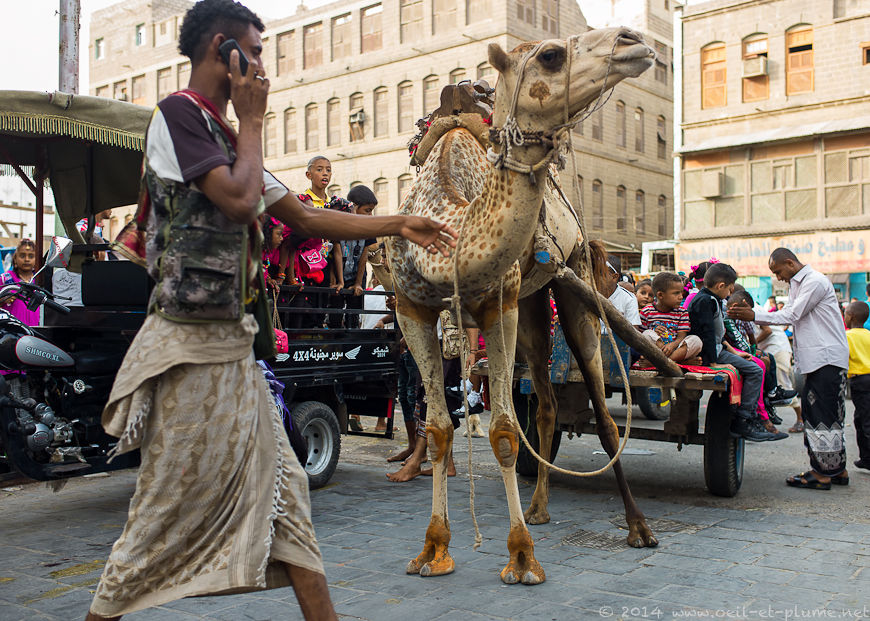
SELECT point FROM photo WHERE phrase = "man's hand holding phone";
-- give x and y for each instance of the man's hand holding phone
(249, 88)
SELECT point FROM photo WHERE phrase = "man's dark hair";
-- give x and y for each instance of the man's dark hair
(207, 18)
(616, 262)
(361, 195)
(663, 280)
(860, 311)
(783, 254)
(742, 296)
(719, 272)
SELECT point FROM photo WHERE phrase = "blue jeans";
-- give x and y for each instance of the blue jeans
(753, 377)
(407, 389)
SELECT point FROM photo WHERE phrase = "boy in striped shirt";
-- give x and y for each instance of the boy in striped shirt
(666, 323)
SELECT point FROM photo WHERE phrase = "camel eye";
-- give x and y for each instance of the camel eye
(549, 56)
(552, 58)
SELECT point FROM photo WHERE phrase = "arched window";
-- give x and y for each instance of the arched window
(598, 206)
(430, 94)
(598, 125)
(457, 75)
(640, 211)
(663, 215)
(333, 190)
(290, 131)
(713, 76)
(270, 136)
(333, 122)
(312, 131)
(621, 209)
(379, 187)
(353, 184)
(799, 60)
(756, 82)
(356, 118)
(620, 124)
(486, 72)
(405, 182)
(381, 120)
(405, 101)
(661, 138)
(638, 130)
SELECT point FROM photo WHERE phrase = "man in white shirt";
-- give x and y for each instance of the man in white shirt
(624, 301)
(822, 354)
(773, 341)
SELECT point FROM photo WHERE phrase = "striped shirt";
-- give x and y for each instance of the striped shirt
(674, 321)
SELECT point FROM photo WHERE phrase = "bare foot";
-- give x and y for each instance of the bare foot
(402, 455)
(427, 472)
(411, 470)
(693, 362)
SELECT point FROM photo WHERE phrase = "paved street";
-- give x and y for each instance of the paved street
(771, 552)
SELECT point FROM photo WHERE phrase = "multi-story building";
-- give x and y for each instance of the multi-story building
(776, 137)
(351, 78)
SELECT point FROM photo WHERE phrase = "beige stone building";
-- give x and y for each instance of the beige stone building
(776, 136)
(351, 78)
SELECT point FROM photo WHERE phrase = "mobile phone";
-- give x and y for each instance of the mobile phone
(229, 45)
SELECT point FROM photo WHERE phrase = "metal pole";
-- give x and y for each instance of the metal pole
(39, 173)
(69, 14)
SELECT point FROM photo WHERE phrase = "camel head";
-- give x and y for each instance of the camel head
(605, 56)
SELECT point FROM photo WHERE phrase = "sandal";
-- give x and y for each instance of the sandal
(807, 480)
(798, 427)
(840, 480)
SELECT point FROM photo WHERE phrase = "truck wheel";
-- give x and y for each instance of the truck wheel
(723, 455)
(526, 406)
(318, 424)
(653, 402)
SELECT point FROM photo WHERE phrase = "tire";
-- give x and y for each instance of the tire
(526, 406)
(650, 401)
(723, 455)
(318, 424)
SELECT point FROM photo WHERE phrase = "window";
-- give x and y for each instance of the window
(865, 53)
(661, 62)
(183, 75)
(99, 48)
(487, 73)
(477, 10)
(598, 125)
(341, 33)
(526, 11)
(312, 135)
(799, 60)
(430, 94)
(119, 91)
(270, 136)
(381, 124)
(102, 91)
(638, 130)
(444, 16)
(661, 140)
(640, 211)
(597, 206)
(756, 83)
(550, 16)
(405, 103)
(457, 75)
(713, 85)
(410, 20)
(357, 118)
(140, 35)
(405, 182)
(663, 215)
(621, 209)
(164, 83)
(620, 124)
(379, 187)
(290, 131)
(371, 28)
(284, 53)
(333, 122)
(312, 44)
(334, 190)
(139, 90)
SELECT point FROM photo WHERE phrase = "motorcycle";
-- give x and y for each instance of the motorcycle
(51, 400)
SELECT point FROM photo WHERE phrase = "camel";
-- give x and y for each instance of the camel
(497, 209)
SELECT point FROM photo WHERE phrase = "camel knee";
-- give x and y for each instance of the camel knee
(439, 442)
(505, 444)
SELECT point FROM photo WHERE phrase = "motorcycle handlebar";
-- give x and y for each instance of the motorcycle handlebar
(60, 308)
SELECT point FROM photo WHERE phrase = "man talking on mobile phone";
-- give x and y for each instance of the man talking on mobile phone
(221, 503)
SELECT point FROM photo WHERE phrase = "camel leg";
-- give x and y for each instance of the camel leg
(533, 340)
(583, 331)
(523, 567)
(418, 326)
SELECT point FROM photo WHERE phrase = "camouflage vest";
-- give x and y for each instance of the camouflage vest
(198, 258)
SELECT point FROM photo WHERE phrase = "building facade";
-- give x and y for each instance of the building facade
(351, 78)
(776, 137)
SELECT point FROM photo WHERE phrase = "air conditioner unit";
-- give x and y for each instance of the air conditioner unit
(712, 183)
(755, 67)
(358, 117)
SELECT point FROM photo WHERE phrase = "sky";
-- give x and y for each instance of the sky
(29, 39)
